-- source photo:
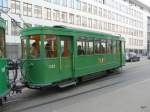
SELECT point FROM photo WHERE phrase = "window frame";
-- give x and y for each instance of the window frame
(28, 9)
(56, 49)
(15, 9)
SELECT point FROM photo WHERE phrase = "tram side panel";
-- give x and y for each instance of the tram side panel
(4, 81)
(88, 64)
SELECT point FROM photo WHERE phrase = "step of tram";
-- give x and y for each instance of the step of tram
(67, 83)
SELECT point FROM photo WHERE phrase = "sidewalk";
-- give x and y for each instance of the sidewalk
(133, 98)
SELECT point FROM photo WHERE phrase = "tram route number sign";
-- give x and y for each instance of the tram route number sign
(52, 66)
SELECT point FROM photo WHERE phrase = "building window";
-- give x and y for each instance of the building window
(56, 15)
(15, 7)
(95, 23)
(95, 10)
(109, 26)
(27, 9)
(84, 21)
(84, 6)
(100, 25)
(64, 17)
(100, 11)
(105, 13)
(15, 28)
(71, 18)
(89, 8)
(3, 5)
(78, 20)
(64, 3)
(47, 13)
(48, 1)
(78, 4)
(109, 15)
(38, 11)
(113, 28)
(71, 3)
(56, 2)
(105, 26)
(90, 22)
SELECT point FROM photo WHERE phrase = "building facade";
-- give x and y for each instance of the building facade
(118, 17)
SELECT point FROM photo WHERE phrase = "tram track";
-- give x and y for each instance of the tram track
(101, 78)
(111, 76)
(67, 97)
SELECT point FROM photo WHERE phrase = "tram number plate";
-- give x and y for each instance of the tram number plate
(101, 60)
(52, 66)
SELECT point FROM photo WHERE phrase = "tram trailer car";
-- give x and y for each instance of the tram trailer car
(60, 55)
(4, 79)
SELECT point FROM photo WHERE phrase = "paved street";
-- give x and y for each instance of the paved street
(88, 95)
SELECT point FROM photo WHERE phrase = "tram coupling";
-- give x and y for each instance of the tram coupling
(13, 68)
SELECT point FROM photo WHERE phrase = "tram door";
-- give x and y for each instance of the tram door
(66, 57)
(119, 54)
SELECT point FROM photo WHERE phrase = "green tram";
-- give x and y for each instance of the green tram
(4, 78)
(61, 56)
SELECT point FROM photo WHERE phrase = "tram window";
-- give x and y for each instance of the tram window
(2, 43)
(118, 46)
(97, 46)
(65, 43)
(81, 47)
(109, 46)
(123, 46)
(103, 46)
(23, 44)
(35, 46)
(114, 47)
(89, 47)
(50, 44)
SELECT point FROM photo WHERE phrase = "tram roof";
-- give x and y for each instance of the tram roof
(41, 30)
(2, 23)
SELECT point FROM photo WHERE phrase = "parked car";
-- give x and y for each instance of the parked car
(132, 57)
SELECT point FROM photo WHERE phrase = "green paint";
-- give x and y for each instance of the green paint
(44, 71)
(4, 82)
(4, 79)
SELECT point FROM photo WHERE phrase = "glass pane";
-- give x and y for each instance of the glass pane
(109, 46)
(35, 46)
(97, 46)
(114, 47)
(50, 44)
(89, 47)
(65, 47)
(118, 47)
(81, 47)
(103, 46)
